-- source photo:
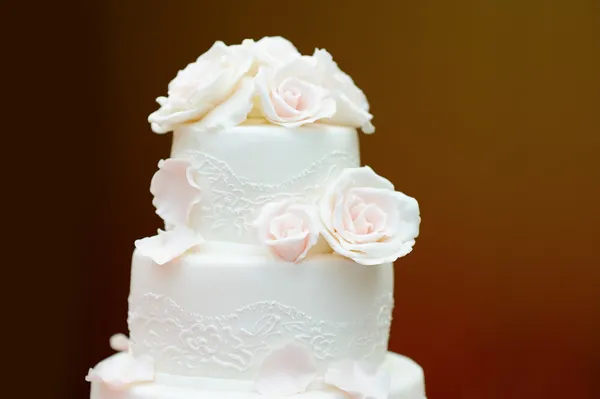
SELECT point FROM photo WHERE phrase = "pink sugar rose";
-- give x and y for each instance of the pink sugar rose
(289, 229)
(365, 220)
(293, 94)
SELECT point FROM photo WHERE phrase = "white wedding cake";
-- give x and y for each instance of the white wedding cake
(273, 275)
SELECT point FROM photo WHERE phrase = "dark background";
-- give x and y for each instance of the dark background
(486, 111)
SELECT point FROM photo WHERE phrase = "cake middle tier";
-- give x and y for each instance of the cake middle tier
(216, 315)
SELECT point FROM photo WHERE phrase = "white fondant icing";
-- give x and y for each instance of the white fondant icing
(219, 316)
(241, 169)
(406, 383)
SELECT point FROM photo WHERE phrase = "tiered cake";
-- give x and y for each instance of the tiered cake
(273, 275)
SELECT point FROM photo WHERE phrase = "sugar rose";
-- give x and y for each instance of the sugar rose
(365, 220)
(213, 91)
(289, 229)
(293, 94)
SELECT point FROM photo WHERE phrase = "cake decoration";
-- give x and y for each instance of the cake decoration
(294, 94)
(219, 89)
(362, 218)
(122, 370)
(174, 190)
(119, 342)
(291, 370)
(367, 221)
(359, 380)
(286, 371)
(168, 245)
(289, 229)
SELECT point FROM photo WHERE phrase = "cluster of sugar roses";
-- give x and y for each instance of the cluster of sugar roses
(360, 216)
(267, 79)
(286, 371)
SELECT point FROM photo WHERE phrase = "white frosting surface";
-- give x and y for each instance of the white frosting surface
(406, 376)
(220, 314)
(241, 169)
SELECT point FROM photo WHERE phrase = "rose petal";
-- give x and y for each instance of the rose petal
(233, 111)
(286, 371)
(291, 249)
(275, 51)
(286, 225)
(122, 370)
(358, 381)
(166, 246)
(174, 190)
(351, 102)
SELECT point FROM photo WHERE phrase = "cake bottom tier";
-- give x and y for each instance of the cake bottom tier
(406, 376)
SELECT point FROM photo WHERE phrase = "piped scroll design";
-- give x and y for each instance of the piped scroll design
(198, 344)
(234, 199)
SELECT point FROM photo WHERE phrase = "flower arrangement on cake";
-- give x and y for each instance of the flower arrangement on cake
(360, 215)
(268, 79)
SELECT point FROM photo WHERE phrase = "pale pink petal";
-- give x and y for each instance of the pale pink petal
(119, 342)
(168, 245)
(233, 111)
(290, 249)
(122, 370)
(286, 371)
(174, 190)
(359, 380)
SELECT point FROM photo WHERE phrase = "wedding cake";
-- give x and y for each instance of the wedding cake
(273, 274)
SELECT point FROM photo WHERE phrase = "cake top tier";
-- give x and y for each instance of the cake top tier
(267, 81)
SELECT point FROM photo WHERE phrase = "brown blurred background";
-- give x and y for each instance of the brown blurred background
(486, 111)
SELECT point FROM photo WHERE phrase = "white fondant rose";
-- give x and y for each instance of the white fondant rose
(352, 107)
(293, 94)
(365, 220)
(213, 91)
(289, 229)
